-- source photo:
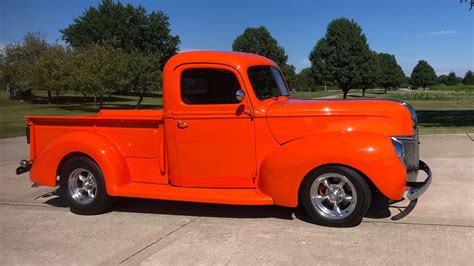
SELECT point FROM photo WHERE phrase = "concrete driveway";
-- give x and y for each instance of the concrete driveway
(36, 227)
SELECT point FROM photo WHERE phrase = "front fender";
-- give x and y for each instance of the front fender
(282, 171)
(101, 149)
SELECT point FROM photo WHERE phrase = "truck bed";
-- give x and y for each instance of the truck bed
(137, 133)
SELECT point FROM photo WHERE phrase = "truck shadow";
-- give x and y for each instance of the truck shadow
(445, 118)
(379, 209)
(382, 207)
(201, 209)
(149, 206)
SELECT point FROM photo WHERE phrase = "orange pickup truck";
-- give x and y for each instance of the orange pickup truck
(230, 133)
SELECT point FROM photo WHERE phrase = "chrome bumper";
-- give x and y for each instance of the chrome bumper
(418, 188)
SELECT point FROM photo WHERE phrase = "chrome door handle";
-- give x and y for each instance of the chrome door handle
(182, 124)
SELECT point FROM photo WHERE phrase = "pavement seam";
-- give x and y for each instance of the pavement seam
(421, 224)
(156, 241)
(24, 204)
(469, 137)
(35, 194)
(3, 203)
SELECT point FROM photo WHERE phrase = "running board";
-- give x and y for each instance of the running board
(241, 196)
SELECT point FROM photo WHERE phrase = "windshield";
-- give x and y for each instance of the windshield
(267, 82)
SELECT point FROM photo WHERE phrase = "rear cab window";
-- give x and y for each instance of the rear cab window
(208, 86)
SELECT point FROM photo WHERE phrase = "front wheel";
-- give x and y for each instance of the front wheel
(335, 196)
(82, 182)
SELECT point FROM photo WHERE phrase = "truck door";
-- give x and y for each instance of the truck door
(213, 131)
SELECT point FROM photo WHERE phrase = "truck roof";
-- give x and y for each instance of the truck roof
(234, 59)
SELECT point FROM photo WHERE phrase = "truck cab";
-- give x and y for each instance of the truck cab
(231, 133)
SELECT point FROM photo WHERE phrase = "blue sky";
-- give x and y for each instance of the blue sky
(439, 31)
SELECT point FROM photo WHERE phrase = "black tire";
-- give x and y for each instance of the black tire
(320, 209)
(93, 205)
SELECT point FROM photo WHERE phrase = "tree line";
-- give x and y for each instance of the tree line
(97, 70)
(342, 58)
(121, 49)
(111, 49)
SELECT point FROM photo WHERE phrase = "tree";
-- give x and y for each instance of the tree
(472, 3)
(2, 74)
(423, 75)
(53, 70)
(407, 81)
(391, 74)
(143, 75)
(305, 80)
(452, 79)
(131, 28)
(400, 78)
(100, 70)
(260, 41)
(371, 73)
(289, 72)
(17, 64)
(342, 56)
(468, 78)
(443, 79)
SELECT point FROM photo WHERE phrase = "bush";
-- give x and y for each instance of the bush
(430, 95)
(444, 87)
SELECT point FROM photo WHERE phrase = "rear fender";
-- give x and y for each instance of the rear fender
(98, 147)
(282, 171)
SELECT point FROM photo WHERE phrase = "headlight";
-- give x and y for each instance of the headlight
(399, 149)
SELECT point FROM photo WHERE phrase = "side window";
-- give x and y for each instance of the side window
(208, 86)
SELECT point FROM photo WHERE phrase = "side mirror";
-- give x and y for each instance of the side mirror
(239, 95)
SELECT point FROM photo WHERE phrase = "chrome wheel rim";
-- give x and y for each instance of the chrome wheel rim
(82, 186)
(333, 196)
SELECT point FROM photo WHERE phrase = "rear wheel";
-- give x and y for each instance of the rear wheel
(82, 183)
(335, 196)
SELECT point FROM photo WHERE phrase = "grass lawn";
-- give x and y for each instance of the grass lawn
(441, 110)
(12, 122)
(314, 94)
(445, 111)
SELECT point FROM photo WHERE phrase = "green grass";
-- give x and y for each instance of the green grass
(12, 122)
(442, 109)
(314, 94)
(429, 95)
(447, 113)
(443, 87)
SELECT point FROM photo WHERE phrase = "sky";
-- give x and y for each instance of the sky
(438, 31)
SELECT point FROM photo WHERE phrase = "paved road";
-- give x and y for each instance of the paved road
(36, 226)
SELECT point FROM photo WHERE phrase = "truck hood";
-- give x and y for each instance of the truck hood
(292, 118)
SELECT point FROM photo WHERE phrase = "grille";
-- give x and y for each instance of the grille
(411, 157)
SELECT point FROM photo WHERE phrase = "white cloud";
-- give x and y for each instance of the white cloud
(2, 45)
(443, 32)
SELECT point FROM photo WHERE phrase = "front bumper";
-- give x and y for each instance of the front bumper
(416, 189)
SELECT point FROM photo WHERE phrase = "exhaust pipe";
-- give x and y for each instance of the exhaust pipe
(25, 166)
